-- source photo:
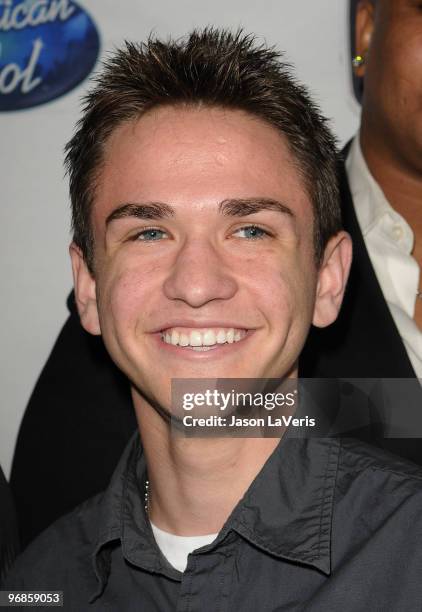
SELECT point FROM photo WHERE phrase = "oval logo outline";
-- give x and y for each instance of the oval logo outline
(47, 48)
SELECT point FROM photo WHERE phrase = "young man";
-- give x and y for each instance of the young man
(207, 238)
(377, 334)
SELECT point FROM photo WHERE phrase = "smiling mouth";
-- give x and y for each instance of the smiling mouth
(204, 339)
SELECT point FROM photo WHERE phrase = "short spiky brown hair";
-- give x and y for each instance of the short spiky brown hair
(208, 67)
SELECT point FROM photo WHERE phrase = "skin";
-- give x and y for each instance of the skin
(203, 269)
(389, 37)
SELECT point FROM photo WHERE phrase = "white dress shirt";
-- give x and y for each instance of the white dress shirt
(389, 241)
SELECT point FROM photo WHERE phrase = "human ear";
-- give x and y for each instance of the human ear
(332, 278)
(86, 299)
(364, 27)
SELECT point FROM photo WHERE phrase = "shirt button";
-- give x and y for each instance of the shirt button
(397, 233)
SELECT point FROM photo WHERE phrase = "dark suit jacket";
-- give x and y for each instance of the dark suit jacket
(364, 341)
(9, 541)
(80, 415)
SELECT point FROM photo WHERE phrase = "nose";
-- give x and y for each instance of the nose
(199, 275)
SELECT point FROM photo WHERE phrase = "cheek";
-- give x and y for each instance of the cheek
(399, 62)
(406, 65)
(124, 297)
(284, 288)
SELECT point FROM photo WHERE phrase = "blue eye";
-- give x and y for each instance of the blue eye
(252, 232)
(149, 235)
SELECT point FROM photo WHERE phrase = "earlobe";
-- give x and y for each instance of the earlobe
(332, 279)
(364, 27)
(85, 294)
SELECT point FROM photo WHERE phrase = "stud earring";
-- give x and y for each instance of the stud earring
(358, 61)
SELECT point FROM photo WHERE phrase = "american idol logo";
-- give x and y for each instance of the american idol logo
(47, 47)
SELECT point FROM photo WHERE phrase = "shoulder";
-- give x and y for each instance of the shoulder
(61, 554)
(384, 482)
(359, 456)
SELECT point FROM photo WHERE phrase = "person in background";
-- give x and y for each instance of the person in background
(79, 417)
(385, 161)
(384, 175)
(378, 332)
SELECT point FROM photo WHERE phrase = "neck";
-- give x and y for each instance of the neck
(195, 483)
(400, 182)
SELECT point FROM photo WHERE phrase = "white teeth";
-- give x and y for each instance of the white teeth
(183, 339)
(202, 338)
(195, 338)
(208, 338)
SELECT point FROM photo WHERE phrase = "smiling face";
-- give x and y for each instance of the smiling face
(204, 253)
(389, 35)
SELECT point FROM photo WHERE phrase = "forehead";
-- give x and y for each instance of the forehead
(186, 155)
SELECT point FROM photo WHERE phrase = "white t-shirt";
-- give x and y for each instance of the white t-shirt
(177, 548)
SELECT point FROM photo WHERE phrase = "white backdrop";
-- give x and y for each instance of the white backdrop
(34, 217)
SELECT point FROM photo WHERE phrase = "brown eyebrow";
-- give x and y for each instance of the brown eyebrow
(233, 207)
(149, 210)
(248, 206)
